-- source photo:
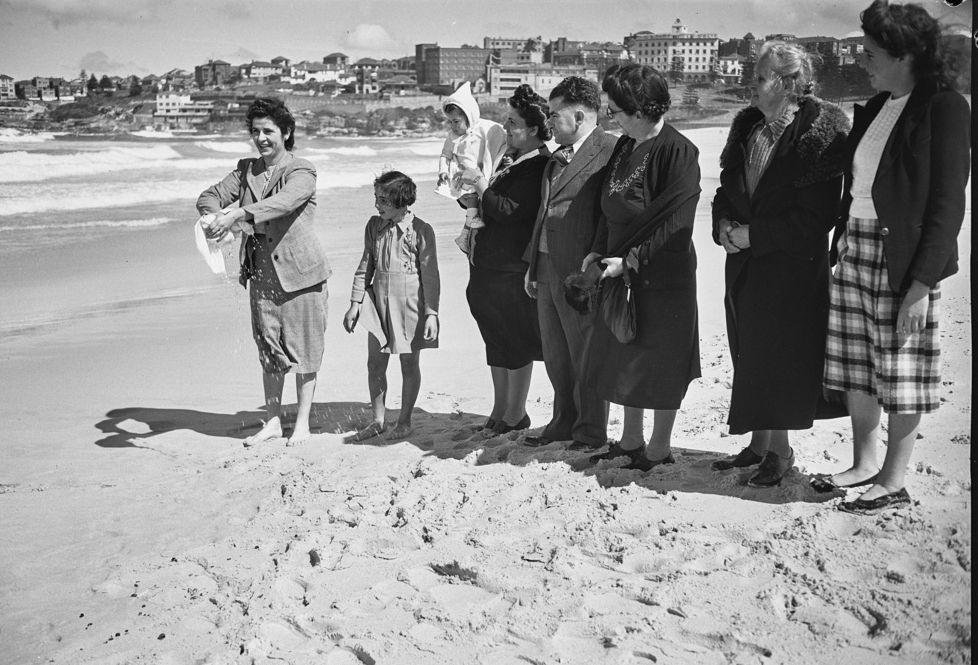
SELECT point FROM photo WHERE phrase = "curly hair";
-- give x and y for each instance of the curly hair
(637, 88)
(909, 30)
(277, 112)
(533, 109)
(578, 91)
(399, 190)
(792, 64)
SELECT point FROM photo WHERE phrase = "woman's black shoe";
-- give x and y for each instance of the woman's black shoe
(644, 464)
(502, 428)
(615, 450)
(822, 483)
(489, 424)
(771, 470)
(744, 458)
(877, 505)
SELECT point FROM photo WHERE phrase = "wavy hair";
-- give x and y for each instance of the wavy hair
(577, 91)
(277, 112)
(792, 64)
(399, 190)
(533, 109)
(637, 88)
(910, 30)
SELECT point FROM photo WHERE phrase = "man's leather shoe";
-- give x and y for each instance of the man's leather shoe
(771, 470)
(537, 441)
(744, 458)
(580, 446)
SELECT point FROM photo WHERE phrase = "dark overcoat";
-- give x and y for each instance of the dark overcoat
(777, 290)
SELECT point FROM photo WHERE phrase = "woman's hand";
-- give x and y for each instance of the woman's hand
(615, 267)
(352, 316)
(431, 328)
(529, 286)
(726, 226)
(739, 237)
(474, 178)
(220, 224)
(589, 259)
(913, 310)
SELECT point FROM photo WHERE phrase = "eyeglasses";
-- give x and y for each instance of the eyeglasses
(611, 114)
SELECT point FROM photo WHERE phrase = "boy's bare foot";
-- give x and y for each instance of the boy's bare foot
(400, 431)
(369, 432)
(271, 430)
(299, 436)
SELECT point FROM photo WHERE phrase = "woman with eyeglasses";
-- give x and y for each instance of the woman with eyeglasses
(648, 203)
(780, 187)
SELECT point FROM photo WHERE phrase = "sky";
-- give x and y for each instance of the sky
(120, 37)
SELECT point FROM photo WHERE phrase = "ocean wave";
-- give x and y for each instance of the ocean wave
(234, 147)
(24, 166)
(359, 151)
(11, 135)
(94, 224)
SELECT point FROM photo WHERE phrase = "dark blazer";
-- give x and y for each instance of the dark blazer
(569, 214)
(509, 210)
(919, 190)
(286, 216)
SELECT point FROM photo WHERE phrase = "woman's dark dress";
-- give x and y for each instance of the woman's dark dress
(506, 316)
(654, 370)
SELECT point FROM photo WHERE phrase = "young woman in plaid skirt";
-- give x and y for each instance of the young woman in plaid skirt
(907, 163)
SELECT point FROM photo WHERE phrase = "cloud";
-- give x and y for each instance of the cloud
(97, 61)
(73, 12)
(368, 36)
(235, 10)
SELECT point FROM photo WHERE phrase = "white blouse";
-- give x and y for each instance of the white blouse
(866, 161)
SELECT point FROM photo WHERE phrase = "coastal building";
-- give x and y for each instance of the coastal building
(7, 90)
(731, 68)
(599, 55)
(214, 73)
(504, 79)
(508, 43)
(176, 111)
(746, 46)
(260, 71)
(686, 56)
(26, 90)
(850, 48)
(827, 47)
(444, 66)
(340, 60)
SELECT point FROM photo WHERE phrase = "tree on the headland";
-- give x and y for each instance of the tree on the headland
(136, 89)
(677, 69)
(828, 77)
(92, 85)
(105, 83)
(747, 74)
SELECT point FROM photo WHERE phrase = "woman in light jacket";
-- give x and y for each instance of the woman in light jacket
(281, 257)
(906, 168)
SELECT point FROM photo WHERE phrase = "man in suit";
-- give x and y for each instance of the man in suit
(563, 235)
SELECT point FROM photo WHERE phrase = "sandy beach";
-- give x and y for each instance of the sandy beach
(136, 528)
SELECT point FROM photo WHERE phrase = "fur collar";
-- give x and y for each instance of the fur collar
(819, 148)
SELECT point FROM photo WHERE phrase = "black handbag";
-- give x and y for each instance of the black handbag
(618, 307)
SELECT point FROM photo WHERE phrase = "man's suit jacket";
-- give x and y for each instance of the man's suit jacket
(569, 211)
(919, 190)
(286, 215)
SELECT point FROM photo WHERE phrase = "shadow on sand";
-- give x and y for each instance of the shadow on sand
(456, 436)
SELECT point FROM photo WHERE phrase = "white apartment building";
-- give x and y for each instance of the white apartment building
(504, 79)
(179, 111)
(695, 53)
(7, 87)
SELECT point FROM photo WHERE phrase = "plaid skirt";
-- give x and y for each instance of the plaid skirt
(863, 352)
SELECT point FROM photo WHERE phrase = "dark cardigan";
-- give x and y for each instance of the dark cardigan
(509, 210)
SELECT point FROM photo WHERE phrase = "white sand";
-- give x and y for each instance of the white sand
(137, 529)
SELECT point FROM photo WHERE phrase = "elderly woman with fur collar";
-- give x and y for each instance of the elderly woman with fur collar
(780, 187)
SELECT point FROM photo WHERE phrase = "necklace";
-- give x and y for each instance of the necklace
(616, 186)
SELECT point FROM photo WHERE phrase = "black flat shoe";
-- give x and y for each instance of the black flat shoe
(489, 424)
(743, 459)
(877, 505)
(644, 464)
(615, 450)
(537, 441)
(503, 428)
(771, 470)
(822, 483)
